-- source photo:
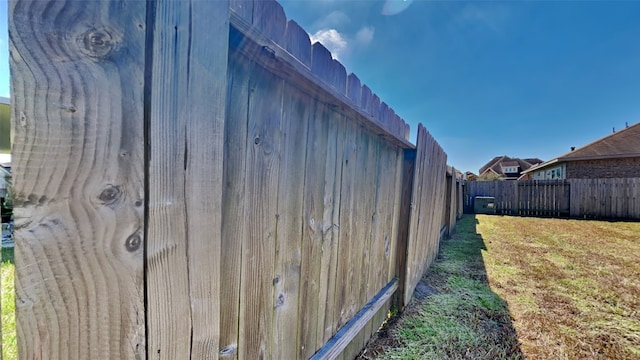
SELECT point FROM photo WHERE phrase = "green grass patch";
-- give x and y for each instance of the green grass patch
(514, 287)
(465, 318)
(9, 348)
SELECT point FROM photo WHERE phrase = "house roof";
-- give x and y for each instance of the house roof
(533, 161)
(620, 144)
(510, 163)
(497, 163)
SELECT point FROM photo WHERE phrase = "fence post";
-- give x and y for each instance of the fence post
(78, 168)
(408, 169)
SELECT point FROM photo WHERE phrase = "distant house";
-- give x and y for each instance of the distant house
(614, 156)
(506, 168)
(469, 176)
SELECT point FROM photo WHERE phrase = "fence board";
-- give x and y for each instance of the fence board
(183, 319)
(262, 173)
(296, 113)
(428, 198)
(334, 280)
(315, 173)
(78, 177)
(233, 224)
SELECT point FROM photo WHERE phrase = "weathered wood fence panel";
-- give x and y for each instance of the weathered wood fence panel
(585, 198)
(427, 202)
(197, 180)
(605, 198)
(78, 75)
(451, 202)
(186, 133)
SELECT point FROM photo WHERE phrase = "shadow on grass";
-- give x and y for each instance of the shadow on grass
(454, 313)
(7, 255)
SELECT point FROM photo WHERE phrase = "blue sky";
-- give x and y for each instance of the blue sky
(516, 78)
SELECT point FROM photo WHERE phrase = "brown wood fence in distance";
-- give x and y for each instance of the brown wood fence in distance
(196, 180)
(579, 198)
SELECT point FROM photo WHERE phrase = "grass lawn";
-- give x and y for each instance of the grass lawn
(9, 350)
(512, 287)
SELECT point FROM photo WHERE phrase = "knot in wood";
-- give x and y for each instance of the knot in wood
(110, 194)
(96, 43)
(133, 243)
(228, 350)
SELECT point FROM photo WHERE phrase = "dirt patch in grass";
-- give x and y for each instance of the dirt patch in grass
(512, 287)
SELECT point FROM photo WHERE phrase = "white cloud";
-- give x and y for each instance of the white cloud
(335, 19)
(364, 36)
(490, 17)
(332, 40)
(393, 7)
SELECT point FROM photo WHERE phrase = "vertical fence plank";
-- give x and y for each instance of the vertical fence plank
(233, 225)
(428, 198)
(78, 175)
(405, 205)
(269, 17)
(314, 181)
(354, 89)
(258, 249)
(297, 43)
(330, 218)
(347, 208)
(188, 100)
(297, 109)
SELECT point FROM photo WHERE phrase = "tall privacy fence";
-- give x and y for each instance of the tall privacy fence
(195, 179)
(583, 198)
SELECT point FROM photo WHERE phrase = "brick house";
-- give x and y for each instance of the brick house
(614, 156)
(506, 168)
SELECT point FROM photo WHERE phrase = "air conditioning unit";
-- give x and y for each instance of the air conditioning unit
(484, 205)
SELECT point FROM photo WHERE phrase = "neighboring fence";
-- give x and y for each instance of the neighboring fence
(198, 182)
(584, 198)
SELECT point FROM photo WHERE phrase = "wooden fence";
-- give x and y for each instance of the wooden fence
(580, 198)
(195, 179)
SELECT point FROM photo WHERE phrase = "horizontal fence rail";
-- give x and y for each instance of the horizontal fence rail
(580, 198)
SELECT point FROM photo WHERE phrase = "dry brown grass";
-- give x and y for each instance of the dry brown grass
(573, 287)
(565, 289)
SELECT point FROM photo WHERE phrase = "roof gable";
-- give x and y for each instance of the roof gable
(498, 163)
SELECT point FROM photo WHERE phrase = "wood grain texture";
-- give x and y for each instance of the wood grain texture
(269, 17)
(297, 109)
(347, 210)
(331, 200)
(261, 204)
(77, 73)
(297, 43)
(337, 132)
(315, 172)
(428, 200)
(233, 203)
(188, 99)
